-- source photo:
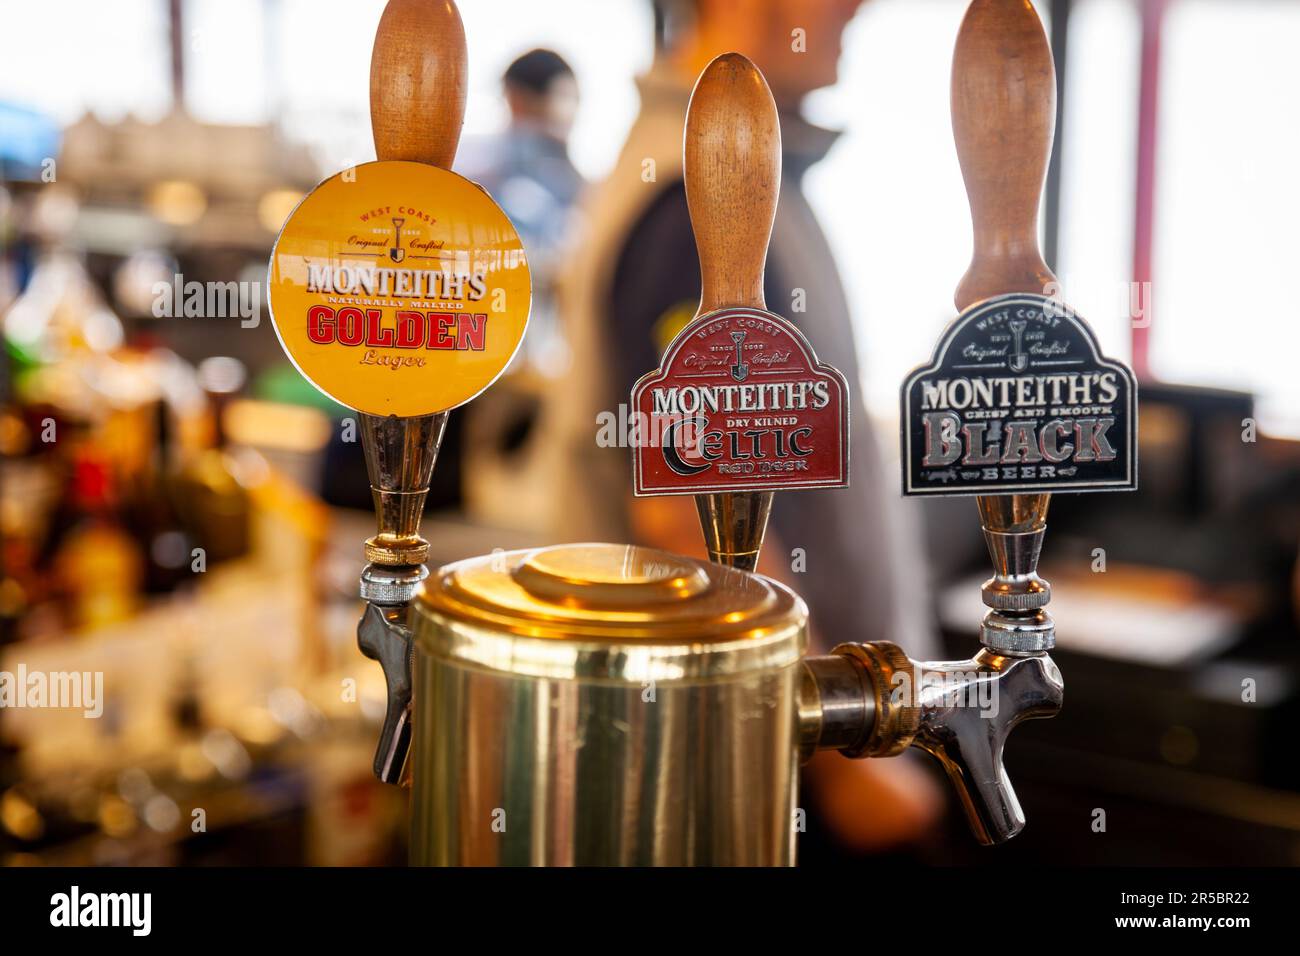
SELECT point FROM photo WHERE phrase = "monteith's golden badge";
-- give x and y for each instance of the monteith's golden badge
(399, 288)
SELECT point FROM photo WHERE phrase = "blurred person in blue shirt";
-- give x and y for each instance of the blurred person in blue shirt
(527, 170)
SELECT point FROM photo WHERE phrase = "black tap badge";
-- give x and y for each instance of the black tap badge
(1018, 398)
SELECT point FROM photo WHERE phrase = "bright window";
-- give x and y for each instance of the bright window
(890, 195)
(1099, 168)
(1226, 245)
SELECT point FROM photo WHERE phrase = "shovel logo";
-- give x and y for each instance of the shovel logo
(397, 253)
(384, 304)
(1019, 360)
(740, 369)
(740, 404)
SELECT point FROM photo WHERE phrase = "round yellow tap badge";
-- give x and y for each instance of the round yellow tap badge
(399, 288)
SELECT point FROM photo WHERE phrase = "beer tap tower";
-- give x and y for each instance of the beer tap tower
(732, 114)
(794, 429)
(1003, 111)
(413, 249)
(610, 704)
(417, 109)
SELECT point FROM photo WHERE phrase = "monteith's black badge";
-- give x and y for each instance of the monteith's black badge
(1019, 398)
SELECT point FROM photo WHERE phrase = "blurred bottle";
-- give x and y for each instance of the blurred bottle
(98, 562)
(59, 315)
(155, 519)
(210, 496)
(20, 522)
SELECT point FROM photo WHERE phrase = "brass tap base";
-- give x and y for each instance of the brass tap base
(396, 551)
(1014, 514)
(892, 677)
(734, 524)
(1017, 622)
(400, 454)
(837, 705)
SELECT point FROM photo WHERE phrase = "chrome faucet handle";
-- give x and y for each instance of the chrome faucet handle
(871, 700)
(968, 708)
(382, 635)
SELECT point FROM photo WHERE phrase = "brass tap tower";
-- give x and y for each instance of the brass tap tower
(609, 704)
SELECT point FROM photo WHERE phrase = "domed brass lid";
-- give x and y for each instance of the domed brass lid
(608, 611)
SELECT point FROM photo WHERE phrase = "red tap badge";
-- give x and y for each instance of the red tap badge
(740, 403)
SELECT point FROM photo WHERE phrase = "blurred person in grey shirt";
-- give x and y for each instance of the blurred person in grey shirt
(635, 282)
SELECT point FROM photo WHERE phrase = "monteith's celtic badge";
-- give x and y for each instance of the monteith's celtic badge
(740, 404)
(1018, 398)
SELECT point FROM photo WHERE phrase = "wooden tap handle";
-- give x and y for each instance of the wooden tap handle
(418, 68)
(1003, 119)
(732, 155)
(417, 82)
